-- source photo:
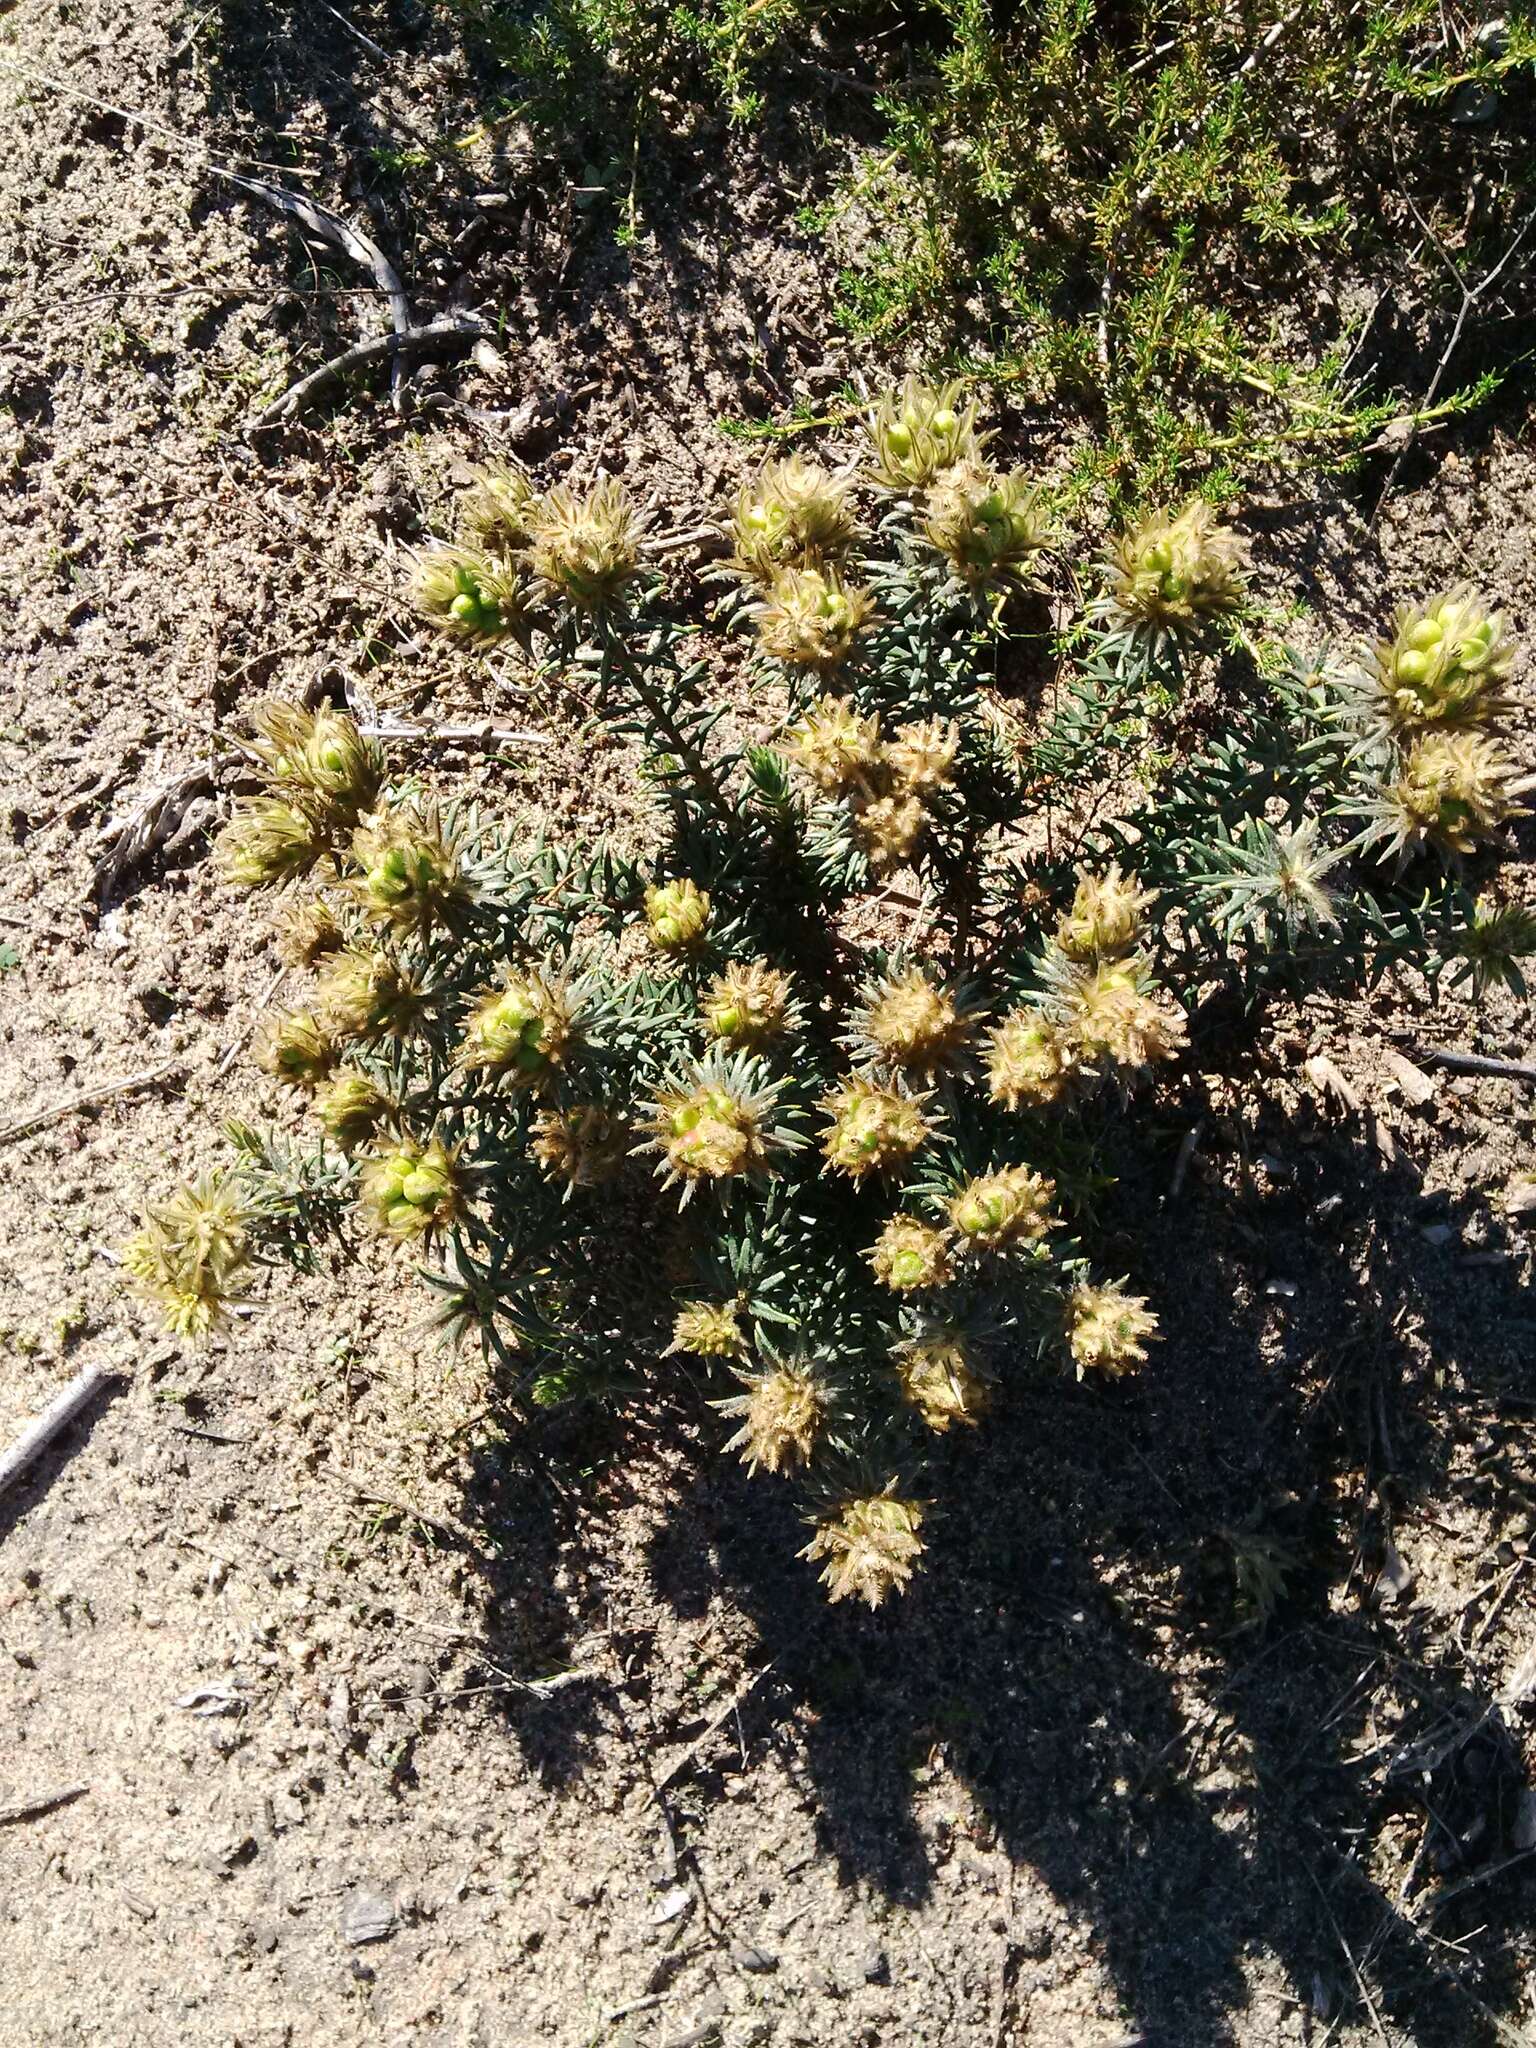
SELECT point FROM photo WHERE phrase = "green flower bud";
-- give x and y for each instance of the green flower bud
(521, 1030)
(351, 1109)
(1001, 1210)
(413, 1191)
(677, 914)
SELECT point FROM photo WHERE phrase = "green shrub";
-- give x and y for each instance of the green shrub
(1116, 208)
(818, 1094)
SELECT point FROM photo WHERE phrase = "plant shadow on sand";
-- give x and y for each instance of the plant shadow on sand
(1199, 1786)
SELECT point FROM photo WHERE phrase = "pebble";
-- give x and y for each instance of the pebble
(877, 1967)
(671, 1906)
(756, 1960)
(366, 1917)
(1473, 105)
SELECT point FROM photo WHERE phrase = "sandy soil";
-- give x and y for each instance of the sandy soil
(1061, 1795)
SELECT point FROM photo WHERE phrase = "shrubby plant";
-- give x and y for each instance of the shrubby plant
(842, 1054)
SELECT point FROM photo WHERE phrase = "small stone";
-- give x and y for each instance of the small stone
(367, 1917)
(1473, 105)
(757, 1960)
(1438, 1234)
(877, 1967)
(1396, 1580)
(671, 1906)
(338, 1713)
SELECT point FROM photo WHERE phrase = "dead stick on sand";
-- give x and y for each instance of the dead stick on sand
(89, 1100)
(1475, 1063)
(45, 1802)
(55, 1417)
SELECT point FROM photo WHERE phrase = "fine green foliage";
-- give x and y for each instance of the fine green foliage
(637, 63)
(1105, 206)
(816, 1096)
(1163, 218)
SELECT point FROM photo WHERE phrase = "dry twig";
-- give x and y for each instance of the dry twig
(41, 1803)
(237, 1044)
(57, 1416)
(716, 1721)
(440, 341)
(88, 1099)
(1470, 297)
(355, 32)
(1475, 1063)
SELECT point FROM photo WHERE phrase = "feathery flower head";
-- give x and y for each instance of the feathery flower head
(921, 758)
(920, 430)
(872, 1128)
(368, 995)
(1454, 790)
(910, 1022)
(583, 1146)
(1170, 575)
(888, 830)
(350, 1109)
(795, 515)
(811, 618)
(320, 756)
(268, 841)
(189, 1253)
(938, 1380)
(411, 877)
(1108, 1329)
(1105, 918)
(520, 1030)
(296, 1047)
(343, 769)
(781, 1413)
(998, 1210)
(1273, 878)
(869, 1547)
(989, 528)
(676, 914)
(494, 514)
(307, 932)
(1112, 1014)
(834, 745)
(476, 597)
(708, 1329)
(1499, 937)
(413, 1191)
(585, 550)
(1446, 663)
(910, 1255)
(1031, 1060)
(717, 1124)
(747, 1004)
